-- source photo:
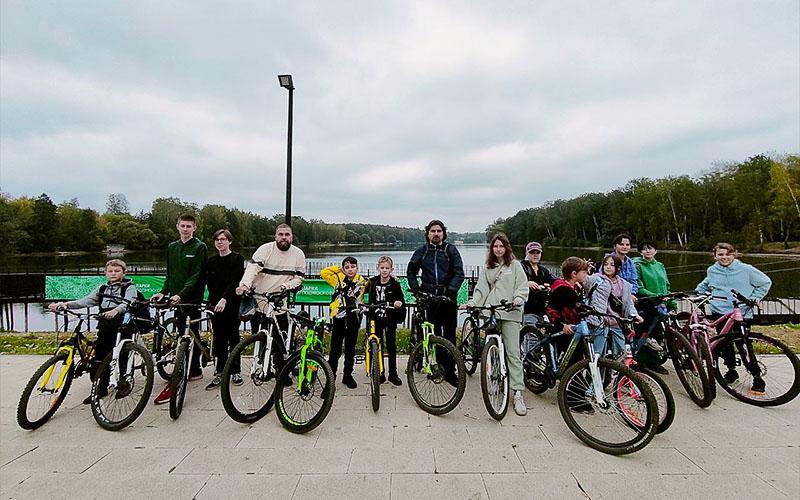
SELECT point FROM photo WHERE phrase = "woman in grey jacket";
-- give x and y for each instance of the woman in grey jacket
(610, 294)
(504, 279)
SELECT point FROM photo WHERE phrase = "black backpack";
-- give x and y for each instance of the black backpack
(140, 312)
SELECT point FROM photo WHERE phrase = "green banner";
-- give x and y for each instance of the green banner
(314, 290)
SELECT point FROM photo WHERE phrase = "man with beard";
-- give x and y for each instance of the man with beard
(442, 275)
(275, 266)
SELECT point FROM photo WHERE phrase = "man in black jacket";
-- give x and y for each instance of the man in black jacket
(442, 274)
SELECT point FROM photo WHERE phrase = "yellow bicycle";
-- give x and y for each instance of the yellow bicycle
(373, 354)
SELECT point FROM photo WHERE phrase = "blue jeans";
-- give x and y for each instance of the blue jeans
(530, 319)
(597, 335)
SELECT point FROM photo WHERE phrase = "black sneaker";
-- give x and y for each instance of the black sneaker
(88, 400)
(215, 382)
(731, 376)
(758, 386)
(452, 380)
(349, 381)
(236, 379)
(659, 369)
(395, 380)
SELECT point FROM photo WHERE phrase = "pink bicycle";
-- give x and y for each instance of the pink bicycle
(750, 366)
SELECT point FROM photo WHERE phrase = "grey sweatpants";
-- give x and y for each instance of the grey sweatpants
(510, 331)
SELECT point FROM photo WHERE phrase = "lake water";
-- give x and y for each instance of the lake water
(685, 270)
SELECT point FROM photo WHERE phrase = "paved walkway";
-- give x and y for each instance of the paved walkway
(730, 450)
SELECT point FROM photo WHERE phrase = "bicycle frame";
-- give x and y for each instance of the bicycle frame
(490, 327)
(372, 336)
(263, 366)
(68, 346)
(314, 343)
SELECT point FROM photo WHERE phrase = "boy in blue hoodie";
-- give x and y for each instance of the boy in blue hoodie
(731, 273)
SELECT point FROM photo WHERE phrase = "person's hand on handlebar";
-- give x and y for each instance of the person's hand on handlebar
(220, 305)
(242, 289)
(156, 297)
(110, 314)
(397, 304)
(568, 329)
(175, 300)
(57, 306)
(518, 302)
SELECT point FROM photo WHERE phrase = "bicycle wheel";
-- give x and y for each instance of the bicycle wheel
(535, 380)
(249, 399)
(708, 363)
(180, 376)
(117, 407)
(415, 338)
(301, 406)
(430, 387)
(663, 396)
(605, 427)
(375, 374)
(494, 383)
(468, 346)
(759, 358)
(164, 352)
(690, 369)
(42, 395)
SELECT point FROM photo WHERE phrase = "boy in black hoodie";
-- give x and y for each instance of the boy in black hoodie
(383, 289)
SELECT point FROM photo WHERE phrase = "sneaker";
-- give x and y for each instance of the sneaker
(519, 404)
(452, 380)
(88, 400)
(731, 376)
(215, 382)
(383, 378)
(124, 388)
(164, 396)
(758, 386)
(395, 380)
(652, 344)
(659, 369)
(236, 379)
(196, 376)
(349, 381)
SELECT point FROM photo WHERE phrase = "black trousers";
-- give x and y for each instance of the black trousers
(107, 330)
(181, 314)
(226, 336)
(728, 354)
(345, 330)
(444, 317)
(386, 330)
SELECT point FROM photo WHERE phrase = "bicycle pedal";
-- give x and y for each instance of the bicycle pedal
(359, 359)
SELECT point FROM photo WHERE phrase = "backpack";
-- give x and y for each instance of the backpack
(140, 312)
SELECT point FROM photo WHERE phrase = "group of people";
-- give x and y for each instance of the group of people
(617, 288)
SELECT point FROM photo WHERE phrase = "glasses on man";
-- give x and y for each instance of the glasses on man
(221, 239)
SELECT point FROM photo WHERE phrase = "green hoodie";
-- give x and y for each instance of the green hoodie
(652, 277)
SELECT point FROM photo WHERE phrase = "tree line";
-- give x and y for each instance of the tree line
(749, 204)
(30, 225)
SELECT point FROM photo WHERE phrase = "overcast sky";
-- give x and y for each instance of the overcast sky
(404, 111)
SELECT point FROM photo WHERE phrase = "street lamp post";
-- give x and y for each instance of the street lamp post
(286, 82)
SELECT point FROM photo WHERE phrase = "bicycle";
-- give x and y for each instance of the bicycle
(494, 371)
(165, 336)
(303, 406)
(470, 342)
(433, 389)
(373, 352)
(248, 394)
(49, 385)
(598, 398)
(184, 359)
(772, 370)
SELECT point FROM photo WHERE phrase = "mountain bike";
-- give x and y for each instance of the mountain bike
(598, 397)
(494, 371)
(373, 353)
(248, 394)
(771, 374)
(470, 341)
(164, 338)
(50, 383)
(434, 389)
(184, 359)
(302, 406)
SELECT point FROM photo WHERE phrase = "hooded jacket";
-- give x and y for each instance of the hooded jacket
(442, 269)
(653, 278)
(739, 276)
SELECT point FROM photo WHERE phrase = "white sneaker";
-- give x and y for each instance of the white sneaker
(519, 404)
(652, 344)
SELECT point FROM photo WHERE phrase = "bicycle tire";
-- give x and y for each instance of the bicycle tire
(467, 345)
(50, 406)
(164, 353)
(663, 395)
(494, 385)
(534, 380)
(779, 367)
(708, 365)
(180, 377)
(689, 369)
(374, 375)
(575, 397)
(250, 401)
(425, 386)
(103, 407)
(317, 394)
(415, 338)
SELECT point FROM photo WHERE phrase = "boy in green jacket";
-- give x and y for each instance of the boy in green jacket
(185, 283)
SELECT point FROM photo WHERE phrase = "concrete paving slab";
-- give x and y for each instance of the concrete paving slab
(190, 418)
(563, 459)
(392, 460)
(733, 435)
(155, 460)
(222, 461)
(404, 417)
(656, 460)
(306, 461)
(548, 486)
(46, 459)
(505, 436)
(359, 437)
(787, 483)
(10, 479)
(224, 487)
(477, 460)
(431, 437)
(344, 487)
(115, 487)
(735, 460)
(277, 438)
(9, 452)
(416, 486)
(464, 417)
